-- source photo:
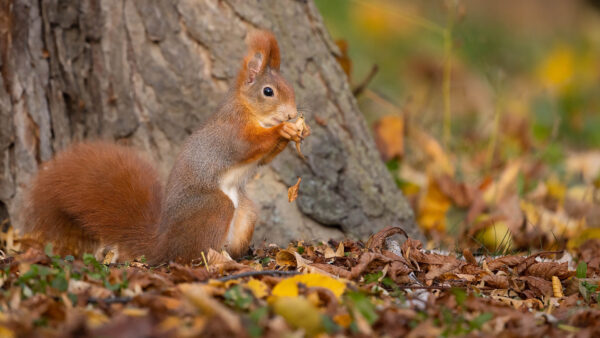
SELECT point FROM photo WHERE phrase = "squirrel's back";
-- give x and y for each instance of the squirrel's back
(94, 195)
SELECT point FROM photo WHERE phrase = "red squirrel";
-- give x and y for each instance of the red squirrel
(100, 195)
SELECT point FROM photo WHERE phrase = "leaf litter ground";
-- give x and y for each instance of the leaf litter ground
(348, 288)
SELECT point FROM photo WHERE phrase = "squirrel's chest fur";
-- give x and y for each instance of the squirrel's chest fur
(232, 182)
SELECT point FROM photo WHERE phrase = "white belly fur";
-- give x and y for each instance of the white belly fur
(230, 184)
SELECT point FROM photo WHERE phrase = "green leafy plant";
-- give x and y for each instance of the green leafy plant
(360, 302)
(581, 270)
(238, 298)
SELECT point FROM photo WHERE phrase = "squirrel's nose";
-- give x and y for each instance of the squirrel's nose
(292, 114)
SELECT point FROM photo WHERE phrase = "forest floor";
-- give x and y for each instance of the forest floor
(349, 288)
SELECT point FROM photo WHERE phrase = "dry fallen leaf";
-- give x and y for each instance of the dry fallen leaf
(304, 131)
(258, 288)
(389, 136)
(285, 258)
(196, 295)
(293, 191)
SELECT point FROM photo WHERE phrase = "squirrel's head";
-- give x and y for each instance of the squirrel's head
(267, 95)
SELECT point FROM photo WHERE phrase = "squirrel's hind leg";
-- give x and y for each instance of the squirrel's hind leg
(241, 228)
(198, 226)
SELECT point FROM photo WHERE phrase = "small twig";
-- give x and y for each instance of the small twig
(363, 85)
(434, 287)
(204, 259)
(258, 273)
(112, 300)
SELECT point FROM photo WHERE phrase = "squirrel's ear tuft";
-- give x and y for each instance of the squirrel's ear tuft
(254, 66)
(263, 52)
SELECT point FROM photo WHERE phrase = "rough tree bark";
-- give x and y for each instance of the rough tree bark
(146, 73)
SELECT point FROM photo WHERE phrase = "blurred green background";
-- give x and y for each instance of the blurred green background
(494, 101)
(535, 63)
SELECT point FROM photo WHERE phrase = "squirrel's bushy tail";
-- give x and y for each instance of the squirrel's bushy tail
(94, 195)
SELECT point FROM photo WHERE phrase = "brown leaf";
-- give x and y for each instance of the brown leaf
(285, 258)
(411, 249)
(125, 326)
(369, 261)
(539, 286)
(157, 302)
(506, 261)
(304, 132)
(185, 274)
(305, 265)
(214, 258)
(333, 270)
(399, 272)
(344, 59)
(196, 295)
(438, 271)
(33, 256)
(548, 269)
(496, 281)
(469, 257)
(293, 191)
(525, 264)
(461, 194)
(589, 254)
(377, 240)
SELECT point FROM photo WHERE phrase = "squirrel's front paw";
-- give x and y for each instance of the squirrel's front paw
(290, 131)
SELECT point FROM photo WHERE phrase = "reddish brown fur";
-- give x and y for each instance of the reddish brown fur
(97, 194)
(264, 43)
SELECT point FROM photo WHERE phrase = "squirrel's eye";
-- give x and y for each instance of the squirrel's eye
(268, 91)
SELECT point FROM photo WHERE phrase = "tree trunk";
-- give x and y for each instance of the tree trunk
(146, 73)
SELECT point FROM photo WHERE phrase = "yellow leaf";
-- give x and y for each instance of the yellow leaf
(433, 207)
(556, 189)
(343, 320)
(389, 136)
(586, 234)
(6, 332)
(557, 287)
(134, 312)
(558, 67)
(299, 313)
(95, 318)
(258, 288)
(171, 323)
(289, 286)
(385, 19)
